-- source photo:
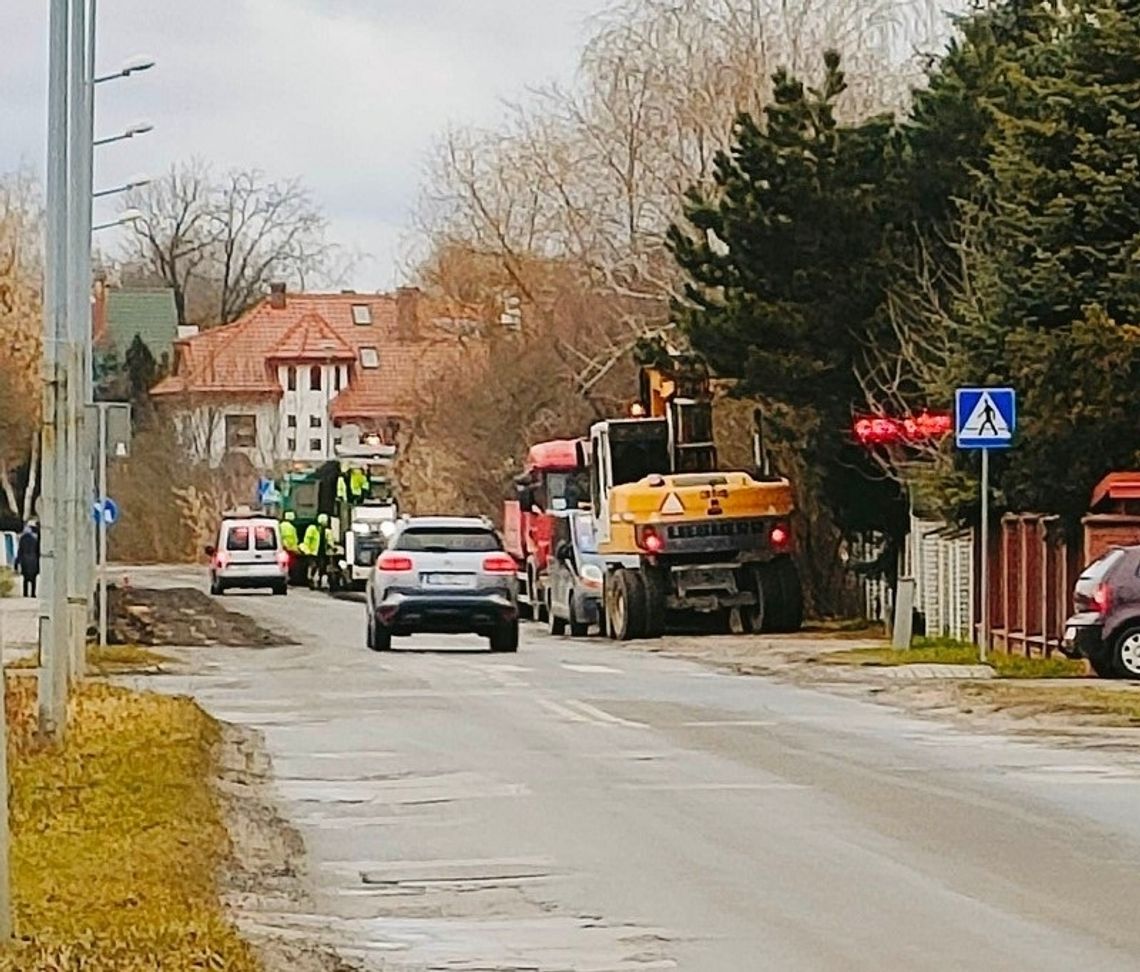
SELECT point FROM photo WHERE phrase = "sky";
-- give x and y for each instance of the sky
(346, 94)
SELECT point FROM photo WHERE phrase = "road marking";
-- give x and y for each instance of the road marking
(751, 723)
(602, 715)
(578, 711)
(711, 786)
(562, 711)
(592, 669)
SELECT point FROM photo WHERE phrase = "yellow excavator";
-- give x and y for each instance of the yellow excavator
(677, 534)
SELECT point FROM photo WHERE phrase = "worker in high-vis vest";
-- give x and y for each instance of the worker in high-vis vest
(289, 533)
(358, 484)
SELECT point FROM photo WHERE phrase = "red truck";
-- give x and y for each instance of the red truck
(553, 480)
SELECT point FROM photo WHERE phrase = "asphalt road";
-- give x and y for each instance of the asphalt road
(584, 807)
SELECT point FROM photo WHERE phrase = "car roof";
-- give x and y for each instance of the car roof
(447, 523)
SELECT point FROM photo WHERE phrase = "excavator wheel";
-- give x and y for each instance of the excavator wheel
(626, 605)
(656, 581)
(781, 600)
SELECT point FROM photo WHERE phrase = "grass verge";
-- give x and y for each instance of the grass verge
(1115, 704)
(117, 839)
(112, 660)
(936, 651)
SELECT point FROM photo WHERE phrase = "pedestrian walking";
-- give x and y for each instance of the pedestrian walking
(28, 557)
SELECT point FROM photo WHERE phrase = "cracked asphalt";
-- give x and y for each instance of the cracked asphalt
(581, 806)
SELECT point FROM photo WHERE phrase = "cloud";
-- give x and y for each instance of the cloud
(347, 94)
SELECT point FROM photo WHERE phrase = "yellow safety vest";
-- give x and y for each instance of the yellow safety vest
(311, 545)
(289, 536)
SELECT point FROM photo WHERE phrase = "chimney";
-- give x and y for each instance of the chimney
(407, 313)
(277, 296)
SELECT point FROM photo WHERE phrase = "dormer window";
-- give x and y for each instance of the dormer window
(361, 314)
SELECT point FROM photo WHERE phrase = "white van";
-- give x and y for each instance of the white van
(248, 554)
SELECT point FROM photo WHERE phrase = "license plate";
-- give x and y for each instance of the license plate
(449, 580)
(1070, 634)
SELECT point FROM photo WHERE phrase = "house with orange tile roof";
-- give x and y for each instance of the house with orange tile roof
(300, 372)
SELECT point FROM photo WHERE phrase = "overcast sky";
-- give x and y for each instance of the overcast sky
(347, 94)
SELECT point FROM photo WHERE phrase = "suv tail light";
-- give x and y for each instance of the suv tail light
(222, 560)
(499, 564)
(283, 558)
(1102, 599)
(394, 563)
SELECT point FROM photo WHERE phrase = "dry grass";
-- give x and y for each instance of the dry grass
(946, 652)
(117, 839)
(1108, 704)
(122, 659)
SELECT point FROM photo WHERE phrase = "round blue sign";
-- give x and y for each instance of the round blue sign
(107, 511)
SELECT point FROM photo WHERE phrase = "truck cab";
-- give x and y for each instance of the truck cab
(553, 480)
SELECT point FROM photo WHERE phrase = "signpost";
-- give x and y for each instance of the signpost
(114, 438)
(985, 419)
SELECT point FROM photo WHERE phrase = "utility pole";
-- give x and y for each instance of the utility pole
(52, 690)
(5, 824)
(79, 325)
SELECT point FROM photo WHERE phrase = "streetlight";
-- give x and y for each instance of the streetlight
(126, 217)
(139, 128)
(134, 66)
(134, 182)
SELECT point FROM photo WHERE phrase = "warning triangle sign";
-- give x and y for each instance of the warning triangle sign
(672, 505)
(986, 421)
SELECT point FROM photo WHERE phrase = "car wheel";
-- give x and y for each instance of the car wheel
(505, 637)
(217, 588)
(381, 638)
(554, 624)
(1127, 653)
(578, 629)
(280, 590)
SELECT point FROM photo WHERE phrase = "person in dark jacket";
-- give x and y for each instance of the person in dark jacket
(28, 558)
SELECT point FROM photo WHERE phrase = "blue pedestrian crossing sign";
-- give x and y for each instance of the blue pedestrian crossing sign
(985, 418)
(105, 511)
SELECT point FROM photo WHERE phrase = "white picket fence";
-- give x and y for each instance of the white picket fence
(941, 562)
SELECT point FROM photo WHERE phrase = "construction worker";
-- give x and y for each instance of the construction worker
(289, 533)
(359, 484)
(322, 553)
(310, 547)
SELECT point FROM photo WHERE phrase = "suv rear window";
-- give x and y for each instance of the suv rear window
(1095, 572)
(237, 538)
(264, 538)
(448, 540)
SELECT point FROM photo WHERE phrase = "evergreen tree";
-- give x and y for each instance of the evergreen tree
(784, 272)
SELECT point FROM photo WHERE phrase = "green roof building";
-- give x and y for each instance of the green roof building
(121, 315)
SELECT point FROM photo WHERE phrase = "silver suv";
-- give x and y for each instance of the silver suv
(248, 554)
(443, 575)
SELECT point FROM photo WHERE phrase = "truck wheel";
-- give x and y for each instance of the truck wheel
(505, 637)
(656, 582)
(539, 601)
(554, 624)
(625, 606)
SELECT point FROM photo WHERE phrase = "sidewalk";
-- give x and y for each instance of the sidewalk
(19, 622)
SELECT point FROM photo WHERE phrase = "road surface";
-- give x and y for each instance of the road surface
(581, 806)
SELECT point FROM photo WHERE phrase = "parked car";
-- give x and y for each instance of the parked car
(443, 575)
(1105, 625)
(575, 580)
(248, 554)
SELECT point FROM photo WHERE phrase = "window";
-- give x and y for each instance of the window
(292, 445)
(314, 421)
(336, 378)
(361, 314)
(449, 540)
(237, 538)
(315, 378)
(291, 379)
(241, 431)
(291, 421)
(264, 538)
(369, 358)
(315, 445)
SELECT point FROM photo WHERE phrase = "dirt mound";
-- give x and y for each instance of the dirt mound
(181, 616)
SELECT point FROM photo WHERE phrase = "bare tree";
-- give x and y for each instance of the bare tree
(217, 242)
(21, 316)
